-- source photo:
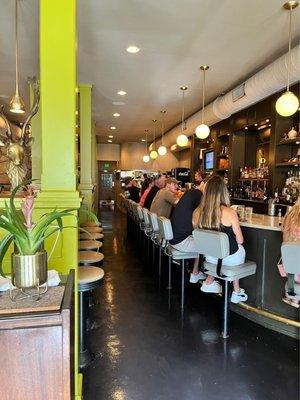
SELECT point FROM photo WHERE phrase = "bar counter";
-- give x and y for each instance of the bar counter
(265, 289)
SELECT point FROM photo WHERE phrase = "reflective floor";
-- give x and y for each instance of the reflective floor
(147, 350)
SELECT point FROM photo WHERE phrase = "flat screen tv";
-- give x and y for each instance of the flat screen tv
(209, 160)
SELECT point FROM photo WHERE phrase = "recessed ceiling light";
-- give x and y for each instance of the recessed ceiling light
(113, 127)
(109, 141)
(267, 120)
(118, 103)
(110, 136)
(122, 92)
(255, 124)
(76, 112)
(246, 127)
(132, 49)
(143, 140)
(116, 115)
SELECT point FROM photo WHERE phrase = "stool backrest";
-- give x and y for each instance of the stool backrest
(146, 216)
(290, 252)
(165, 228)
(140, 212)
(211, 243)
(153, 221)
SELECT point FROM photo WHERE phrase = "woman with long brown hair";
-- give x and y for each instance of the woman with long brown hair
(215, 213)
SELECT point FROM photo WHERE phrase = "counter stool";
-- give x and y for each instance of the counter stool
(89, 245)
(89, 278)
(93, 229)
(90, 258)
(90, 223)
(216, 244)
(91, 236)
(290, 252)
(166, 233)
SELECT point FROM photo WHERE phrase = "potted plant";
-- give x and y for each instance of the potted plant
(29, 259)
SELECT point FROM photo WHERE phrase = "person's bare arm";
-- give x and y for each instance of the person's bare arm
(236, 227)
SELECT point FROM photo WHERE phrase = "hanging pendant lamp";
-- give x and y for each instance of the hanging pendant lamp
(182, 140)
(146, 157)
(16, 104)
(162, 150)
(288, 102)
(153, 153)
(202, 130)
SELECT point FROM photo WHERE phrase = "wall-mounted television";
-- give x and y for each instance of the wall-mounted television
(208, 160)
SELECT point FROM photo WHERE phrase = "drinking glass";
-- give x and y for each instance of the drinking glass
(248, 213)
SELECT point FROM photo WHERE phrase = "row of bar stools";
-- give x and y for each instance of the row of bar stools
(90, 277)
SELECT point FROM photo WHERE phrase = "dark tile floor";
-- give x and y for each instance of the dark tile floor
(148, 351)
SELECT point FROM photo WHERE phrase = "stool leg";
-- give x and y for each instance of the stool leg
(182, 283)
(226, 297)
(159, 262)
(85, 357)
(153, 255)
(170, 274)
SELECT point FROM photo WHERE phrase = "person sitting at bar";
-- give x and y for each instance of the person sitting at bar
(165, 199)
(146, 191)
(291, 233)
(182, 226)
(215, 214)
(159, 183)
(198, 178)
(134, 191)
(145, 183)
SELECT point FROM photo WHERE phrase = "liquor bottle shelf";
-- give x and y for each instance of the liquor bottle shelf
(253, 179)
(289, 141)
(288, 164)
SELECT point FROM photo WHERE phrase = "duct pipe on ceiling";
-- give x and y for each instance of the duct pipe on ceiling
(264, 83)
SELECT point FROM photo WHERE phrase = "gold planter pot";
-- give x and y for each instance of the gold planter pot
(29, 270)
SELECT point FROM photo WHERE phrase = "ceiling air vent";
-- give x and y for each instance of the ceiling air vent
(238, 92)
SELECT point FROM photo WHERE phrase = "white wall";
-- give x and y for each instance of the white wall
(132, 158)
(108, 152)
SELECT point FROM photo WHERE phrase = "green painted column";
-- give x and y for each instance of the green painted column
(36, 149)
(58, 106)
(87, 163)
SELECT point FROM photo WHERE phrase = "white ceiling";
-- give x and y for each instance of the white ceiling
(235, 37)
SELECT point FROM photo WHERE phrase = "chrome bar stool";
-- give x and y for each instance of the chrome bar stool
(90, 224)
(216, 244)
(93, 229)
(89, 278)
(290, 252)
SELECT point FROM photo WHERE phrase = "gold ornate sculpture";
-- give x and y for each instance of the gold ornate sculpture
(17, 166)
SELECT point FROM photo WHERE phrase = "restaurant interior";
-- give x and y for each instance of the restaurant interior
(149, 199)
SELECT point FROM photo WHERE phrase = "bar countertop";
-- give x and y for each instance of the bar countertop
(262, 221)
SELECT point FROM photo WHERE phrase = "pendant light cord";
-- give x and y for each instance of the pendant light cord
(162, 127)
(16, 46)
(154, 134)
(182, 114)
(203, 95)
(289, 53)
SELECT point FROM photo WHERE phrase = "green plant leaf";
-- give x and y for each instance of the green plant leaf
(4, 245)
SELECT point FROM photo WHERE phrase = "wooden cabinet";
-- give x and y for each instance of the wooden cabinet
(35, 351)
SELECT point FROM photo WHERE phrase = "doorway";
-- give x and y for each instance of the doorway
(107, 184)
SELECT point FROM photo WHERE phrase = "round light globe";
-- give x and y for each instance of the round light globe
(202, 131)
(287, 104)
(153, 154)
(162, 150)
(146, 158)
(182, 140)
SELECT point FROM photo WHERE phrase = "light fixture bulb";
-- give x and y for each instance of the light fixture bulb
(182, 140)
(202, 131)
(116, 115)
(146, 158)
(16, 104)
(153, 154)
(162, 150)
(287, 104)
(132, 49)
(122, 93)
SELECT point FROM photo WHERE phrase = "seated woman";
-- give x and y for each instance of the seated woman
(215, 213)
(291, 233)
(150, 184)
(134, 191)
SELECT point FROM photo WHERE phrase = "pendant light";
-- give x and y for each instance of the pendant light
(16, 104)
(146, 157)
(182, 140)
(288, 102)
(153, 153)
(202, 130)
(162, 150)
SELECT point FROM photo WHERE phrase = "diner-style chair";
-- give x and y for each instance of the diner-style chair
(90, 258)
(216, 244)
(90, 245)
(147, 230)
(93, 229)
(290, 252)
(91, 236)
(90, 224)
(156, 239)
(166, 233)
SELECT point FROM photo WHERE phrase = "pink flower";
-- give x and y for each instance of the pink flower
(28, 205)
